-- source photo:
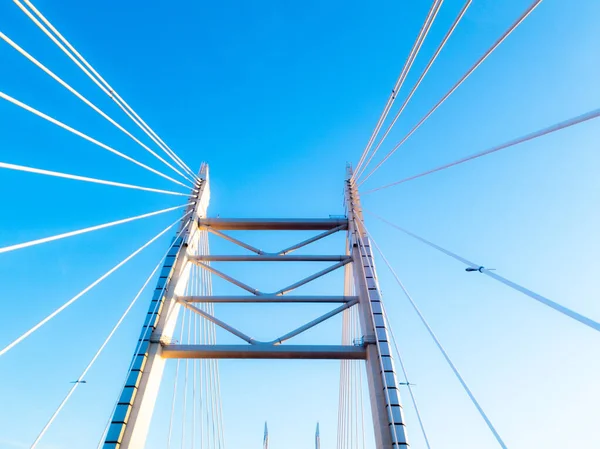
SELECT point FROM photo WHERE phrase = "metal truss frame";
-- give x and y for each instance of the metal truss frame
(131, 419)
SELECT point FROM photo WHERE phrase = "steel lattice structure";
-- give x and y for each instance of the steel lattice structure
(131, 420)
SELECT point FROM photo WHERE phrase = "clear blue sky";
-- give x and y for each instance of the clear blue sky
(277, 97)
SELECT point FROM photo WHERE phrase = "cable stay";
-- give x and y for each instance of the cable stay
(417, 84)
(527, 137)
(490, 272)
(56, 174)
(431, 15)
(81, 377)
(83, 64)
(88, 288)
(86, 137)
(87, 102)
(437, 342)
(490, 50)
(64, 235)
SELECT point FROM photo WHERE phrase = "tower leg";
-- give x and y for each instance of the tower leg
(388, 417)
(132, 416)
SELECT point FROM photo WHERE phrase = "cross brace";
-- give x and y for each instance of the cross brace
(268, 258)
(321, 352)
(273, 224)
(283, 291)
(268, 299)
(277, 341)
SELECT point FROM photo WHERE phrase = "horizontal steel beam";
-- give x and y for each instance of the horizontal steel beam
(268, 258)
(328, 352)
(267, 299)
(273, 224)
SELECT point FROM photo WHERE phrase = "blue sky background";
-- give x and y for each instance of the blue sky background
(277, 97)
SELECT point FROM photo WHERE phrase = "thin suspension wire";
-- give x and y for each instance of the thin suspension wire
(351, 401)
(53, 238)
(98, 352)
(190, 291)
(194, 291)
(343, 405)
(215, 365)
(417, 84)
(56, 174)
(495, 45)
(220, 420)
(353, 414)
(542, 299)
(24, 53)
(200, 380)
(87, 289)
(78, 59)
(357, 385)
(534, 135)
(207, 391)
(342, 434)
(139, 343)
(340, 395)
(210, 408)
(192, 247)
(362, 408)
(435, 7)
(206, 373)
(86, 137)
(350, 432)
(174, 398)
(202, 397)
(404, 372)
(340, 405)
(438, 344)
(345, 392)
(185, 382)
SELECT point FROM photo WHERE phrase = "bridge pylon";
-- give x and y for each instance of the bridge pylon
(131, 419)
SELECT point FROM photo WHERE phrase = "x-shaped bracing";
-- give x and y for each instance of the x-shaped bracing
(283, 251)
(261, 297)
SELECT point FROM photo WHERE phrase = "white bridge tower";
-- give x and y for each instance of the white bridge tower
(131, 419)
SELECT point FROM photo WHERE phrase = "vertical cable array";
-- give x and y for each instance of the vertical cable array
(199, 409)
(351, 427)
(213, 415)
